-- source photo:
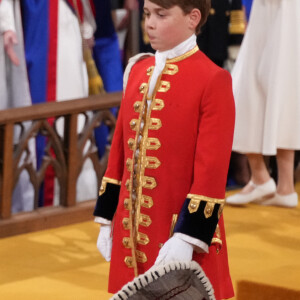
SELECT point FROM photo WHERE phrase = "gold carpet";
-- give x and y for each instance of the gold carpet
(63, 263)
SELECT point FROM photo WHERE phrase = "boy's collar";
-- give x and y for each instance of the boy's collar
(180, 49)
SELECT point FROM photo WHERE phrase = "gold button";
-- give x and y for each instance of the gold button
(136, 105)
(132, 124)
(193, 205)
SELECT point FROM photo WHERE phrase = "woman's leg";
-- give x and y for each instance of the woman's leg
(259, 172)
(285, 166)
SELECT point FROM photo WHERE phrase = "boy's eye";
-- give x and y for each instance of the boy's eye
(146, 14)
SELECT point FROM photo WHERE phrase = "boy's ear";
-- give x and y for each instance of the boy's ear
(195, 17)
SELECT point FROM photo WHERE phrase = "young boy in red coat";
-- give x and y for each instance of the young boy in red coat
(162, 195)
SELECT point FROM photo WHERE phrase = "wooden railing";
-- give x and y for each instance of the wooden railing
(66, 153)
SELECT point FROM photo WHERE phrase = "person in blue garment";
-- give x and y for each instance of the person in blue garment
(247, 4)
(107, 57)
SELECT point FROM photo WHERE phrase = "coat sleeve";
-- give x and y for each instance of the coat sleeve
(111, 182)
(204, 204)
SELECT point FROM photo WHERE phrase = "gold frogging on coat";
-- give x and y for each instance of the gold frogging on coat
(164, 86)
(126, 223)
(150, 70)
(141, 256)
(127, 184)
(158, 104)
(133, 124)
(155, 124)
(137, 106)
(127, 204)
(129, 261)
(126, 242)
(209, 207)
(129, 164)
(152, 162)
(152, 144)
(146, 201)
(143, 88)
(145, 220)
(149, 182)
(142, 238)
(131, 143)
(170, 69)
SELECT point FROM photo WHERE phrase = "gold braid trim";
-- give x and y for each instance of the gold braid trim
(209, 207)
(104, 182)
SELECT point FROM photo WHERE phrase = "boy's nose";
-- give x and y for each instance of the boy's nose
(149, 22)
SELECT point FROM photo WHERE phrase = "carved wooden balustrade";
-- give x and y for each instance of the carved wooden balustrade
(65, 151)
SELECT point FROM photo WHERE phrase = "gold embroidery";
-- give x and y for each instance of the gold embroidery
(127, 204)
(174, 220)
(142, 238)
(150, 70)
(149, 182)
(183, 56)
(104, 182)
(158, 104)
(164, 86)
(216, 241)
(126, 223)
(141, 256)
(127, 184)
(209, 207)
(143, 88)
(133, 124)
(152, 144)
(129, 164)
(152, 162)
(170, 69)
(155, 124)
(146, 201)
(128, 261)
(126, 242)
(138, 106)
(145, 220)
(131, 144)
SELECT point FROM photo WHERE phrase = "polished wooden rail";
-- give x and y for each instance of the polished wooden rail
(66, 152)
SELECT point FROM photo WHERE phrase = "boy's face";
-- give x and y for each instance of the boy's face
(166, 28)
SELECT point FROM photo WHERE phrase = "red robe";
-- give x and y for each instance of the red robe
(181, 168)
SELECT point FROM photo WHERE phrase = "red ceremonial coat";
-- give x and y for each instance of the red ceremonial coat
(176, 180)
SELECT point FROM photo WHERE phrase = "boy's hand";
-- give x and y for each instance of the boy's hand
(175, 249)
(10, 40)
(104, 242)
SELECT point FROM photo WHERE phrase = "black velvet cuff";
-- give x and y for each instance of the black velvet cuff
(107, 203)
(196, 224)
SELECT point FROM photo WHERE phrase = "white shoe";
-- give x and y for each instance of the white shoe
(258, 194)
(290, 200)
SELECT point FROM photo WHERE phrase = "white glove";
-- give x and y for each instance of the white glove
(104, 242)
(175, 249)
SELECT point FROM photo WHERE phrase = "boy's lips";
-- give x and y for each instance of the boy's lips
(151, 37)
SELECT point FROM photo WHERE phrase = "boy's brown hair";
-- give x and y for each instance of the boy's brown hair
(187, 6)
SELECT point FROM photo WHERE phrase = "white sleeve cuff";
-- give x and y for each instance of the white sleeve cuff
(102, 221)
(199, 246)
(7, 21)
